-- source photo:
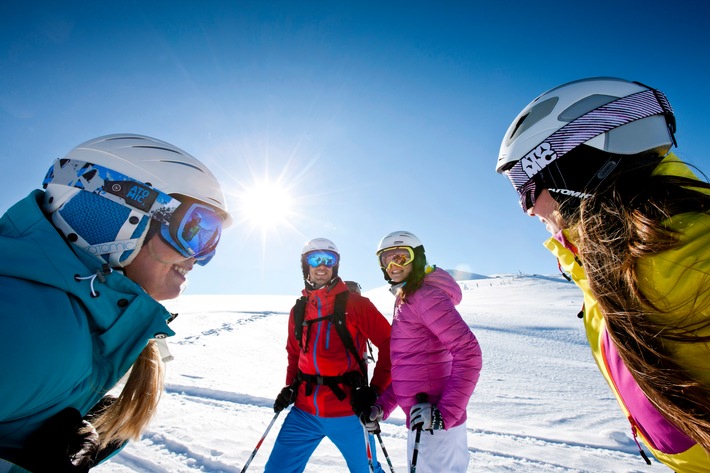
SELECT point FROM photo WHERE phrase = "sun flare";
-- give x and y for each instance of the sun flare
(266, 205)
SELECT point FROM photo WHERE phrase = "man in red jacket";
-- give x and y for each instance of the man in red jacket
(326, 378)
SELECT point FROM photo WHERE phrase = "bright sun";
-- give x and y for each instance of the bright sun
(266, 205)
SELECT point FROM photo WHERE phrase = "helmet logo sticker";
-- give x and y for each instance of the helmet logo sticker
(535, 160)
(579, 195)
(104, 248)
(134, 193)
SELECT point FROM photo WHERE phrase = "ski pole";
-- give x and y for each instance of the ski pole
(256, 449)
(384, 451)
(368, 450)
(421, 397)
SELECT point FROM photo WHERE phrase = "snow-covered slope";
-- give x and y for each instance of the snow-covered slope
(540, 405)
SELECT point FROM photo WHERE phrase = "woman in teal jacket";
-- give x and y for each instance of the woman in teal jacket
(117, 228)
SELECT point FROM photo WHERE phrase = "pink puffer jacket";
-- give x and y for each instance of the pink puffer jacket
(432, 351)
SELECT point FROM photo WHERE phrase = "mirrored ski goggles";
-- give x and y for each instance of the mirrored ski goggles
(399, 255)
(193, 231)
(322, 257)
(191, 228)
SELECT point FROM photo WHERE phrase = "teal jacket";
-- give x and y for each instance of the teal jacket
(60, 344)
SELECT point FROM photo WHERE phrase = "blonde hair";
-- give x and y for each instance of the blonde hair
(130, 413)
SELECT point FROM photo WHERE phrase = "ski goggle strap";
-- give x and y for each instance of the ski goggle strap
(192, 229)
(397, 255)
(582, 129)
(322, 257)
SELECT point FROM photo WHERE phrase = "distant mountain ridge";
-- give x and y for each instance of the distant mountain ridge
(459, 275)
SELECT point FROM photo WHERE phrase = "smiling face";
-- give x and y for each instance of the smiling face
(399, 273)
(320, 276)
(159, 270)
(546, 209)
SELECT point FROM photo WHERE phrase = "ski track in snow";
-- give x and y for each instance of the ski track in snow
(229, 326)
(506, 444)
(568, 336)
(216, 397)
(502, 458)
(178, 452)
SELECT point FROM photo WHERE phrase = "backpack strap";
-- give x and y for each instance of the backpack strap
(299, 312)
(341, 301)
(352, 378)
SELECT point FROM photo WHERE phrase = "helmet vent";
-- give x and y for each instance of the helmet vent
(536, 113)
(185, 164)
(584, 106)
(158, 147)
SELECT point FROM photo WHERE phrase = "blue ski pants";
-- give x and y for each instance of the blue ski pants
(301, 433)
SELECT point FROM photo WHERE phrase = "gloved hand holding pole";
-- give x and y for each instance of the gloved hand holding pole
(421, 397)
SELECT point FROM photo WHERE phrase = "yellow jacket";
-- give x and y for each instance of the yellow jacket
(677, 280)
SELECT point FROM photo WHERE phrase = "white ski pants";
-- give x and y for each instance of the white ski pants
(446, 451)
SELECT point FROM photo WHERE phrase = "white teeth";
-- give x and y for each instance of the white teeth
(180, 270)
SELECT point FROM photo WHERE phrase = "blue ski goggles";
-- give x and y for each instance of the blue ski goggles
(191, 228)
(193, 231)
(322, 257)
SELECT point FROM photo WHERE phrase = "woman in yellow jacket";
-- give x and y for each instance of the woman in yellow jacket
(631, 225)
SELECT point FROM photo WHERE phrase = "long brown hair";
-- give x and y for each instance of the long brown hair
(620, 225)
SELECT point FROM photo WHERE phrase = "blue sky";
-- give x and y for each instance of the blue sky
(372, 116)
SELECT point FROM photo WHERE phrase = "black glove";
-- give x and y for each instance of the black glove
(64, 444)
(362, 399)
(425, 416)
(93, 413)
(371, 418)
(285, 398)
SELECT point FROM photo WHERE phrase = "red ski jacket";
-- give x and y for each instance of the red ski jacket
(324, 354)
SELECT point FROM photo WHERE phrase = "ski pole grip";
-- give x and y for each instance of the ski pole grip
(422, 397)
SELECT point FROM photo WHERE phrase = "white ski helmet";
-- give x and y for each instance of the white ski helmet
(399, 238)
(319, 244)
(612, 115)
(113, 226)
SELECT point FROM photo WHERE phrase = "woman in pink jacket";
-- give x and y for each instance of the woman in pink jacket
(435, 357)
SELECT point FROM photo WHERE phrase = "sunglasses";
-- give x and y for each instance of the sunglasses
(190, 228)
(397, 255)
(322, 257)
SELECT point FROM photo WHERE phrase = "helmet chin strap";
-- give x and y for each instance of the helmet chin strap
(311, 286)
(114, 259)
